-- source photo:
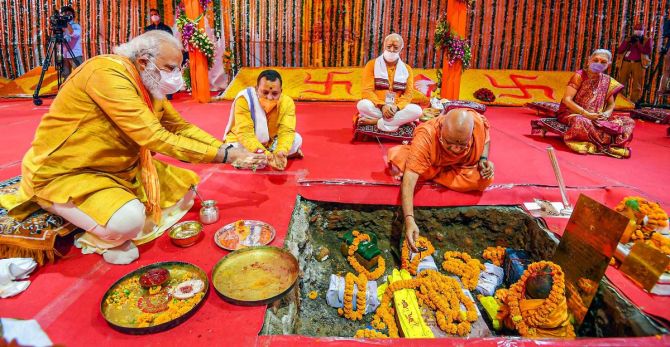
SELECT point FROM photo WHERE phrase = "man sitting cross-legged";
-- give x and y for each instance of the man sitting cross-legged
(388, 89)
(262, 120)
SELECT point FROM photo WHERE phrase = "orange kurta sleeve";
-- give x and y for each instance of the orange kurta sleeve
(117, 97)
(406, 97)
(368, 84)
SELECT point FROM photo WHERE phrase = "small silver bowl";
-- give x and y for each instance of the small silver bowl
(185, 234)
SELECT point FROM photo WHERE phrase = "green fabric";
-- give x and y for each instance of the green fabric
(367, 249)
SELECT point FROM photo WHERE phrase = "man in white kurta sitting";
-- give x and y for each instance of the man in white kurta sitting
(388, 87)
(262, 120)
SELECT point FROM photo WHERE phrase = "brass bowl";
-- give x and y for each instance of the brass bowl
(255, 275)
(185, 234)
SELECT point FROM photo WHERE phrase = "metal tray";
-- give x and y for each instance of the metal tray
(255, 275)
(113, 316)
(229, 230)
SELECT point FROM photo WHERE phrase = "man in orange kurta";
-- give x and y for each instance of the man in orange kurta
(91, 159)
(387, 89)
(451, 150)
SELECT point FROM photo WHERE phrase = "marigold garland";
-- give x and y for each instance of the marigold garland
(361, 280)
(501, 294)
(412, 265)
(657, 218)
(369, 334)
(464, 266)
(495, 254)
(313, 295)
(381, 265)
(439, 292)
(660, 242)
(361, 300)
(525, 325)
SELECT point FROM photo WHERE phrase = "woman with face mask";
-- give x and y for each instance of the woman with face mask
(633, 59)
(388, 87)
(587, 108)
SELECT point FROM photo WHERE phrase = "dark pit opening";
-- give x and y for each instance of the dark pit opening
(470, 229)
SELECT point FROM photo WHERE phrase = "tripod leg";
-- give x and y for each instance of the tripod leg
(45, 66)
(647, 87)
(69, 62)
(75, 59)
(60, 63)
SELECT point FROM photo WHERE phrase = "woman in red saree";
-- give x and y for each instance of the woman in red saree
(587, 109)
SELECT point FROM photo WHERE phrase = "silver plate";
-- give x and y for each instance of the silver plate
(226, 236)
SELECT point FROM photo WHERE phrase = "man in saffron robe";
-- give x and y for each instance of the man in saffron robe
(263, 120)
(388, 87)
(451, 150)
(91, 160)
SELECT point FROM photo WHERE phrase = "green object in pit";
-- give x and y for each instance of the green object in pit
(366, 249)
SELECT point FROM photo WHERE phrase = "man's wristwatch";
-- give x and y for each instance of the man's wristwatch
(483, 158)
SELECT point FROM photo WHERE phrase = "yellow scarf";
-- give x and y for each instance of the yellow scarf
(148, 174)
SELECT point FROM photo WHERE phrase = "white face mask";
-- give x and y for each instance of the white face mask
(391, 56)
(155, 18)
(638, 32)
(170, 82)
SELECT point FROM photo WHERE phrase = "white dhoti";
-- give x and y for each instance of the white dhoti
(408, 114)
(128, 223)
(260, 121)
(297, 143)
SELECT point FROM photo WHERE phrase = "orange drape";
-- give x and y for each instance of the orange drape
(225, 9)
(451, 74)
(197, 59)
(168, 13)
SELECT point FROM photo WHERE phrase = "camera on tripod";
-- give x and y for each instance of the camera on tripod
(56, 49)
(58, 22)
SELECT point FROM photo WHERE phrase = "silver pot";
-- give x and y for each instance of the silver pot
(209, 213)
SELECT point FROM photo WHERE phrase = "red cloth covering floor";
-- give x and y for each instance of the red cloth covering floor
(65, 297)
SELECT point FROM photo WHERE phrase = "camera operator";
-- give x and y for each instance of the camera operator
(156, 24)
(72, 35)
(635, 51)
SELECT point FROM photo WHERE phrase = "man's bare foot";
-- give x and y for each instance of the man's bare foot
(367, 121)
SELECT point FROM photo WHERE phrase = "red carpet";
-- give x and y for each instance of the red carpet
(65, 297)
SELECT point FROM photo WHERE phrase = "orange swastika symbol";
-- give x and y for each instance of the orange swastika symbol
(524, 88)
(328, 83)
